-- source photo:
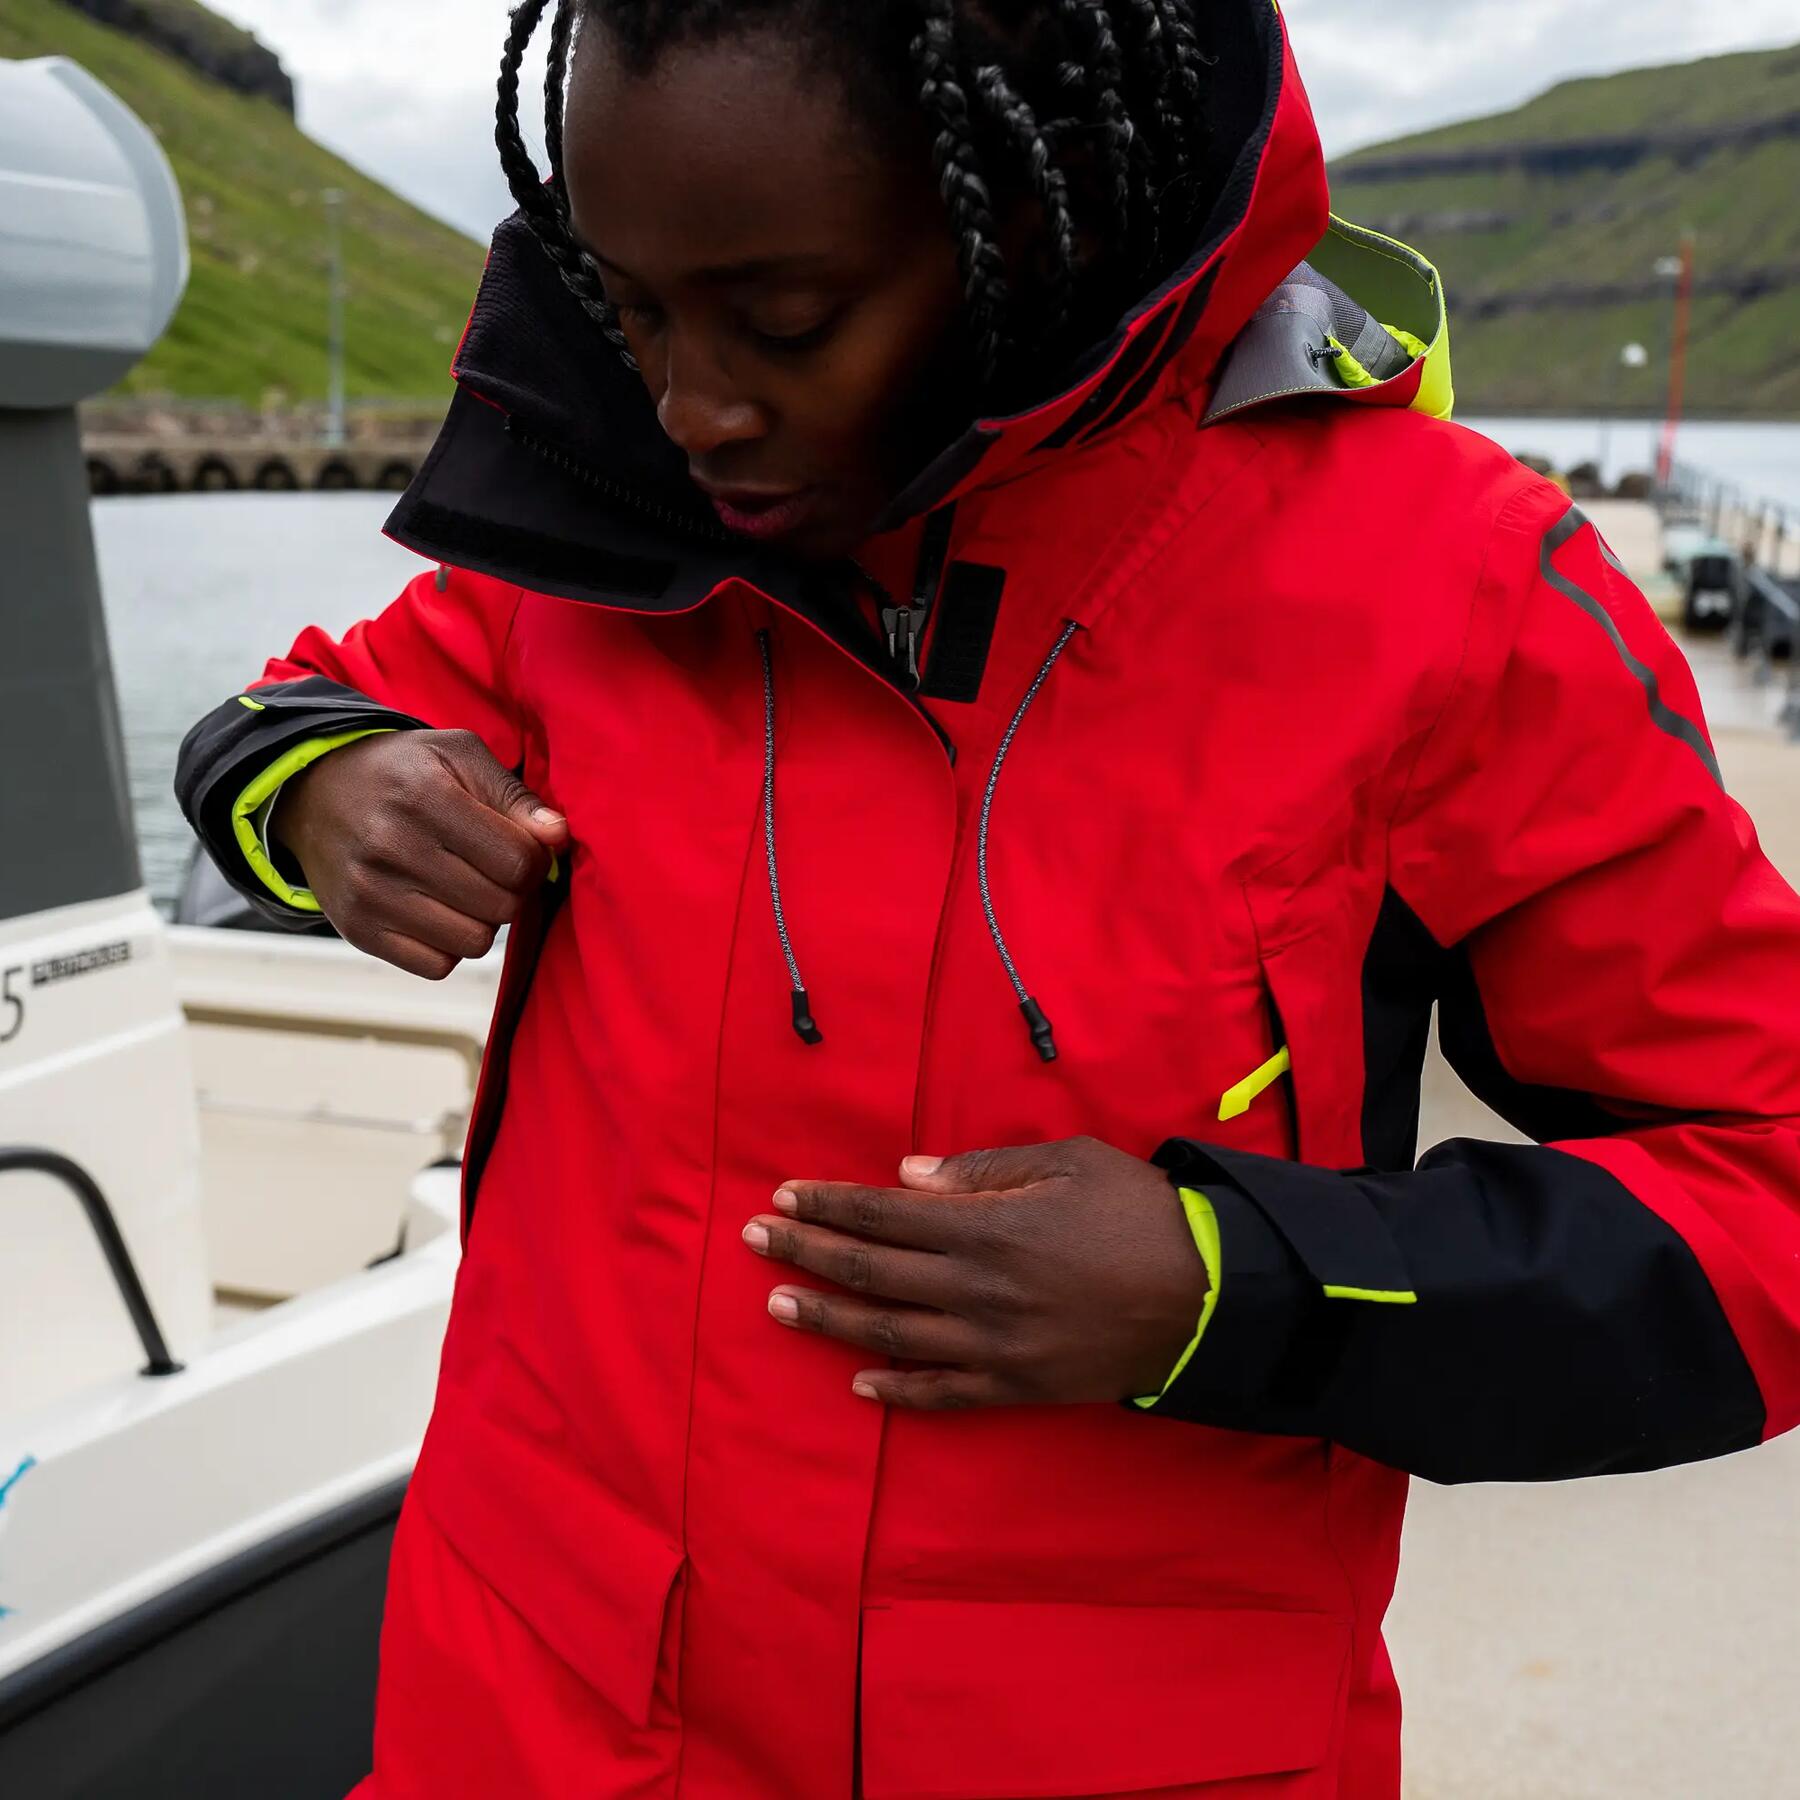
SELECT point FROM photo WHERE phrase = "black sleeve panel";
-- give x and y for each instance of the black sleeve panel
(233, 744)
(1559, 1327)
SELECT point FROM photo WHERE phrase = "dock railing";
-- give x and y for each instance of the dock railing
(1764, 536)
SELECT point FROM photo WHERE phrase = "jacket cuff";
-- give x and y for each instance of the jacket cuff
(252, 808)
(1295, 1243)
(1203, 1222)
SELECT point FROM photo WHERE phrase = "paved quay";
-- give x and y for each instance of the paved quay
(1638, 1636)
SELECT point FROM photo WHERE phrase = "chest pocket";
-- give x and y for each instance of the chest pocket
(1309, 914)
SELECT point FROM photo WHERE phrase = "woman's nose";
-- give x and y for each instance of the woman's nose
(701, 412)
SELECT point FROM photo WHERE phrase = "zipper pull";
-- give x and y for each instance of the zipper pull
(903, 625)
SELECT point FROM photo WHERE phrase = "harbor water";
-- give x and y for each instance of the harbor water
(1763, 461)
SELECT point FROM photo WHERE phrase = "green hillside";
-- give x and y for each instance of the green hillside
(255, 316)
(1549, 239)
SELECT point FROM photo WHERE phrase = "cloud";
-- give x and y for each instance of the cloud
(1429, 61)
(405, 89)
(436, 148)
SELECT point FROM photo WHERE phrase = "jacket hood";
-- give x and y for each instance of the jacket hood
(1247, 319)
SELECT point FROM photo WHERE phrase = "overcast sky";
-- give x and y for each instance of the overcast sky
(404, 88)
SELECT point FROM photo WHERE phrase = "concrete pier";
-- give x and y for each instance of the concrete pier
(201, 450)
(1762, 531)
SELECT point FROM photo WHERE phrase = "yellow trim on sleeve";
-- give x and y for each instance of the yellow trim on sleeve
(1373, 1296)
(284, 769)
(1236, 1101)
(1203, 1222)
(254, 705)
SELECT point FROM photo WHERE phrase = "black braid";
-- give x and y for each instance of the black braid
(1091, 111)
(1191, 62)
(1005, 104)
(556, 79)
(521, 174)
(1102, 75)
(542, 208)
(960, 182)
(1157, 74)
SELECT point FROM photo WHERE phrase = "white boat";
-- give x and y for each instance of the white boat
(228, 1180)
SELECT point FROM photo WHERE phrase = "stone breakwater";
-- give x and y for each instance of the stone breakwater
(197, 450)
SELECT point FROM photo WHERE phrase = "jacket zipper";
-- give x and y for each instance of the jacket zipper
(630, 499)
(526, 942)
(905, 625)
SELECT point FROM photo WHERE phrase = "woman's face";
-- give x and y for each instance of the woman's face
(785, 278)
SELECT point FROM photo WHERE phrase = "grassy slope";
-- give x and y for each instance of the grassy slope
(1746, 359)
(255, 314)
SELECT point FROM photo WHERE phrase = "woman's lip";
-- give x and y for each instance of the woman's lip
(759, 516)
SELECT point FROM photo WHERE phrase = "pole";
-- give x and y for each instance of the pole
(66, 834)
(1684, 307)
(334, 225)
(1615, 368)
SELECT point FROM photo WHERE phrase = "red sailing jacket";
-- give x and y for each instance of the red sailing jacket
(1351, 715)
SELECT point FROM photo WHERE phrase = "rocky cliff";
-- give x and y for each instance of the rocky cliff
(201, 39)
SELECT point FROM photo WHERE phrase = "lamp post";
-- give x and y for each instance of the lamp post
(334, 233)
(1632, 357)
(1680, 270)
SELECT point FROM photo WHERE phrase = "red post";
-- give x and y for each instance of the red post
(1678, 348)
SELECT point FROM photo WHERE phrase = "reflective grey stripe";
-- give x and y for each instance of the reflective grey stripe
(1662, 715)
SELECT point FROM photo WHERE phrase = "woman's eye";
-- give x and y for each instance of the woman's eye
(793, 342)
(645, 318)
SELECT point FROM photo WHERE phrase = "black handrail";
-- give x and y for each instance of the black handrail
(1782, 597)
(112, 1245)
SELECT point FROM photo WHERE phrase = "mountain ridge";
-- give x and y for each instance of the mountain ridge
(1549, 222)
(215, 47)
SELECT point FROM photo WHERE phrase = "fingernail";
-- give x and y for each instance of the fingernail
(921, 1166)
(785, 1307)
(787, 1201)
(545, 816)
(757, 1237)
(863, 1391)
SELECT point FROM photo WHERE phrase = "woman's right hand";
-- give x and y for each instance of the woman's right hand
(418, 845)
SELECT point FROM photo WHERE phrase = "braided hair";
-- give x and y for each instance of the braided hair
(1094, 111)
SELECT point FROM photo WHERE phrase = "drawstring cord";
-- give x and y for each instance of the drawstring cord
(1036, 1023)
(804, 1024)
(1043, 1036)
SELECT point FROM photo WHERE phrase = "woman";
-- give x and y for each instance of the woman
(930, 536)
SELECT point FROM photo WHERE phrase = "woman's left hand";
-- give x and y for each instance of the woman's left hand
(1055, 1275)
